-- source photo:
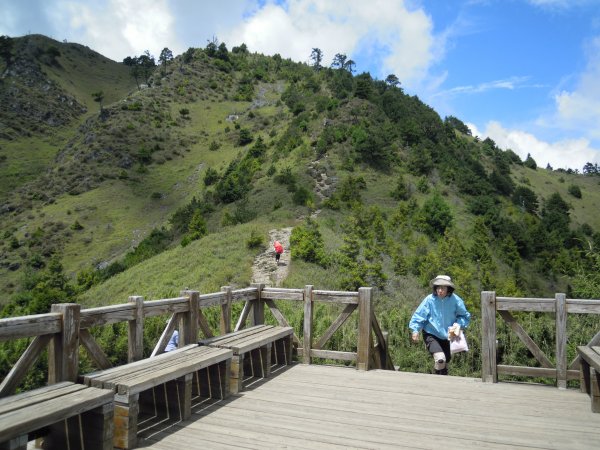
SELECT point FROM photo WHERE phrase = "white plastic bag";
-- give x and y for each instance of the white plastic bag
(459, 344)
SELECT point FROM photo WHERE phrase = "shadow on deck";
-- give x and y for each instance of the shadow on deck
(313, 406)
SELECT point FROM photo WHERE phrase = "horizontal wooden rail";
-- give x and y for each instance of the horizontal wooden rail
(330, 354)
(282, 294)
(525, 304)
(106, 315)
(560, 306)
(30, 326)
(580, 306)
(534, 371)
(67, 328)
(336, 297)
(583, 306)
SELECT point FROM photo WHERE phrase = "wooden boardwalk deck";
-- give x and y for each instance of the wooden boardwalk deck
(314, 407)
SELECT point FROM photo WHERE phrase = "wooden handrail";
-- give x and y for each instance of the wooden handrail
(30, 326)
(560, 306)
(67, 327)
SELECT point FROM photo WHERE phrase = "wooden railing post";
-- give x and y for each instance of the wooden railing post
(258, 308)
(489, 372)
(386, 355)
(364, 328)
(136, 330)
(190, 321)
(63, 350)
(308, 323)
(225, 324)
(561, 340)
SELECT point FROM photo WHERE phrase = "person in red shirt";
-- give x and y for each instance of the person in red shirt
(278, 250)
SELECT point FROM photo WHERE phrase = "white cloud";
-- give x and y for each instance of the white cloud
(404, 37)
(510, 84)
(562, 4)
(568, 153)
(576, 112)
(120, 28)
(579, 110)
(396, 36)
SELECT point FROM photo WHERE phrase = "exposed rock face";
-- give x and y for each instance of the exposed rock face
(29, 97)
(325, 184)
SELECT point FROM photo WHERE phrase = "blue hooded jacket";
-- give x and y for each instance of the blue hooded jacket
(434, 315)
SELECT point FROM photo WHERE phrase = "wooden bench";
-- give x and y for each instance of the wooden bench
(590, 373)
(162, 390)
(255, 350)
(68, 415)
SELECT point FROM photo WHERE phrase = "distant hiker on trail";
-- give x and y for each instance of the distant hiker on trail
(278, 250)
(441, 315)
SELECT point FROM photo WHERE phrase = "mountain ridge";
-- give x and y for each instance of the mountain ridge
(271, 133)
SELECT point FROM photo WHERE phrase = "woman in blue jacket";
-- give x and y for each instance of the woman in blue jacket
(440, 316)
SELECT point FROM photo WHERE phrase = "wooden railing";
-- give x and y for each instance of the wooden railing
(562, 370)
(67, 326)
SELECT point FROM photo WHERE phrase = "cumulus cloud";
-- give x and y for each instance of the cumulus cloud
(576, 112)
(579, 109)
(403, 38)
(120, 28)
(564, 154)
(393, 35)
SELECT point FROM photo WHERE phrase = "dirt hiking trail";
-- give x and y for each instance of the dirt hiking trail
(265, 269)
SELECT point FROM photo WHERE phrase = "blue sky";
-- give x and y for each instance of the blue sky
(525, 73)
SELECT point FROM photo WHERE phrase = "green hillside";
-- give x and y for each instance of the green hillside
(225, 143)
(46, 93)
(175, 178)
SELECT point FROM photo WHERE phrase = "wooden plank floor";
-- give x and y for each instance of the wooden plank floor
(314, 407)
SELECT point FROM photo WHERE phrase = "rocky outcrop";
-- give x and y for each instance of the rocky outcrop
(325, 183)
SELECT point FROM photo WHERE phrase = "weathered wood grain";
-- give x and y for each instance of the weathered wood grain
(25, 362)
(258, 306)
(241, 322)
(51, 407)
(488, 337)
(333, 408)
(336, 297)
(524, 337)
(135, 330)
(525, 304)
(365, 311)
(30, 326)
(94, 350)
(332, 354)
(336, 324)
(225, 317)
(307, 330)
(153, 308)
(282, 294)
(561, 370)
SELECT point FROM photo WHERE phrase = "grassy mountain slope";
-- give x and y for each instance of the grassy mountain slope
(283, 140)
(45, 92)
(176, 185)
(544, 182)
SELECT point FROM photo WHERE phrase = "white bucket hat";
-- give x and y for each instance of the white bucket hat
(442, 280)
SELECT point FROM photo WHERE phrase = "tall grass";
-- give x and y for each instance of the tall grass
(205, 265)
